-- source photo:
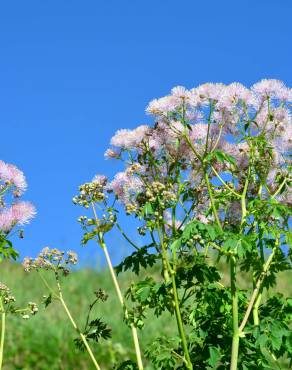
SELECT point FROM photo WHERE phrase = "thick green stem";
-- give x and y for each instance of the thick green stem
(121, 299)
(243, 202)
(180, 323)
(82, 336)
(255, 311)
(167, 272)
(3, 320)
(234, 294)
(119, 294)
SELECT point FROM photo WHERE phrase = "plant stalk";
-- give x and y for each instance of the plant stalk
(234, 294)
(257, 289)
(119, 294)
(255, 311)
(3, 321)
(167, 270)
(180, 323)
(82, 336)
(121, 299)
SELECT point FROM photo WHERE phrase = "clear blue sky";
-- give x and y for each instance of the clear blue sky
(73, 72)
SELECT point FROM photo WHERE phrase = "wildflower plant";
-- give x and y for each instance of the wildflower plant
(95, 228)
(209, 182)
(59, 264)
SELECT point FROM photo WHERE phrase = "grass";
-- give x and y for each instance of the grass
(45, 341)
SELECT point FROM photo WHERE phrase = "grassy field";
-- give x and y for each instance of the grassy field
(45, 342)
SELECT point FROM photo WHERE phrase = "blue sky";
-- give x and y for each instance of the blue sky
(73, 72)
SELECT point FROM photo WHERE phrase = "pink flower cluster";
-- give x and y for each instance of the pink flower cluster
(224, 96)
(11, 175)
(189, 124)
(265, 105)
(129, 139)
(124, 186)
(19, 213)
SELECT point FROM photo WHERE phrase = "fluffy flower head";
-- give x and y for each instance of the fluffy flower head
(18, 214)
(129, 139)
(12, 175)
(124, 186)
(271, 88)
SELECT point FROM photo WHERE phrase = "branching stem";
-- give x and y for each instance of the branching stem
(168, 270)
(257, 289)
(119, 294)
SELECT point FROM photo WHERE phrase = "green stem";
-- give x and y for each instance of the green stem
(209, 124)
(53, 293)
(279, 189)
(3, 320)
(180, 323)
(218, 248)
(121, 299)
(257, 289)
(119, 294)
(243, 200)
(126, 237)
(255, 311)
(234, 291)
(218, 138)
(167, 270)
(82, 336)
(186, 137)
(224, 183)
(234, 295)
(215, 213)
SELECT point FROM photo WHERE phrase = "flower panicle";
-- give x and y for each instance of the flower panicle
(50, 259)
(9, 304)
(94, 191)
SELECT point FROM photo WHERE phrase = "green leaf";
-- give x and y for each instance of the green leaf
(127, 365)
(47, 300)
(175, 245)
(211, 231)
(140, 258)
(229, 244)
(269, 358)
(148, 210)
(214, 357)
(222, 156)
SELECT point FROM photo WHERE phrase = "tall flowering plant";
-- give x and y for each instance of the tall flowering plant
(210, 181)
(14, 213)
